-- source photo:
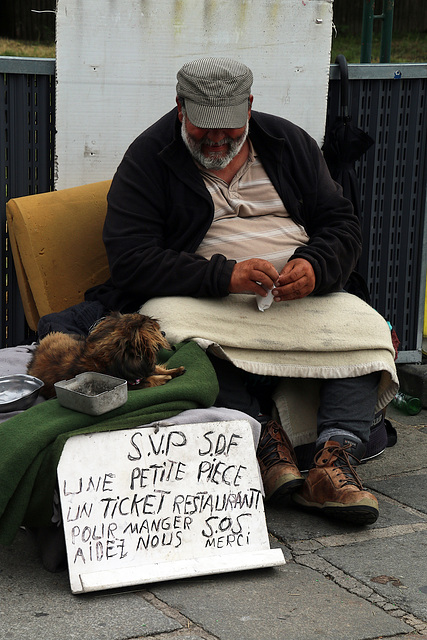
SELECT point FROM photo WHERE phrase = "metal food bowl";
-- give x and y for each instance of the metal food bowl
(18, 392)
(92, 393)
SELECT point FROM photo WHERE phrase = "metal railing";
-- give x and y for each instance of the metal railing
(27, 132)
(386, 18)
(389, 103)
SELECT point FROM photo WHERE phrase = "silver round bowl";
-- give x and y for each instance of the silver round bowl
(18, 392)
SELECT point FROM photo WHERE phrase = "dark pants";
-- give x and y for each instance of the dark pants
(346, 404)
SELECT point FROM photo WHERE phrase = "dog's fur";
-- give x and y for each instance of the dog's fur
(120, 345)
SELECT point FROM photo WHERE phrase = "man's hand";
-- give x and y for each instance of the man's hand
(296, 280)
(255, 275)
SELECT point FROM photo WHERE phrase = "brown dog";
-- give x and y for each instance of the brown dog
(124, 346)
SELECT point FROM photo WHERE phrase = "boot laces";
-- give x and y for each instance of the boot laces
(272, 450)
(337, 456)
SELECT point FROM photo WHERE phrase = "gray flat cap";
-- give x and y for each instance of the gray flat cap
(216, 92)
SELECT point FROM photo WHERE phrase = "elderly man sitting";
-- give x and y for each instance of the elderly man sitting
(215, 206)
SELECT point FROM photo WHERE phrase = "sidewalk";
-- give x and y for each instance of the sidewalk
(339, 582)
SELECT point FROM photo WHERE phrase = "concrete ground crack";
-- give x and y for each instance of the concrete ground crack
(310, 546)
(189, 631)
(354, 586)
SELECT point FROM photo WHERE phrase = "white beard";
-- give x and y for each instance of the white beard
(214, 161)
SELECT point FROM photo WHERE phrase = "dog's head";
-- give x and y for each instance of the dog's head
(128, 343)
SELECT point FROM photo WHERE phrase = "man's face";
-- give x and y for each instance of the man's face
(212, 148)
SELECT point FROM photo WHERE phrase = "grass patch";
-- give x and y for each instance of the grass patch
(409, 48)
(23, 49)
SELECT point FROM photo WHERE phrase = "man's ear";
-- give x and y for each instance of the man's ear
(179, 105)
(250, 100)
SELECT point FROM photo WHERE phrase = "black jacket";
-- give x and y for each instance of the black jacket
(159, 211)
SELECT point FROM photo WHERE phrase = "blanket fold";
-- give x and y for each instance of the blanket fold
(32, 442)
(332, 336)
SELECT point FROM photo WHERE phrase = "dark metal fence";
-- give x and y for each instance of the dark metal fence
(388, 104)
(27, 126)
(28, 19)
(409, 15)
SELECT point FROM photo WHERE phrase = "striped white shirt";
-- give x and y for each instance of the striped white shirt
(250, 219)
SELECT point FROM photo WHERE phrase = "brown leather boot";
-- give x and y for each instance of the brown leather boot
(277, 461)
(333, 487)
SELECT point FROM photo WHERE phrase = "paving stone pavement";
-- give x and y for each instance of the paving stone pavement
(339, 581)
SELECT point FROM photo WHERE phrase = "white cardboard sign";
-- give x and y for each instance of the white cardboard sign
(152, 504)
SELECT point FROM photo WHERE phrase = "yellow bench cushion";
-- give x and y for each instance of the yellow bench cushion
(57, 248)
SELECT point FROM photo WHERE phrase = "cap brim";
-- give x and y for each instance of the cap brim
(217, 117)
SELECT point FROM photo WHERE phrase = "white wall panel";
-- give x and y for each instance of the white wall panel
(117, 64)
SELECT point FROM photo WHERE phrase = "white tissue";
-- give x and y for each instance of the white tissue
(264, 302)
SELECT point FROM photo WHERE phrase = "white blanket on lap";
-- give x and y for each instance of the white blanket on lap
(333, 336)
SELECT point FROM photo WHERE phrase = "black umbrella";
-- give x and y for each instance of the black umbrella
(344, 144)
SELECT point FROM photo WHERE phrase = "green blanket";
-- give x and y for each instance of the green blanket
(31, 443)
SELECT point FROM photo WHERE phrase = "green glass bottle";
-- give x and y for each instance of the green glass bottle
(406, 403)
